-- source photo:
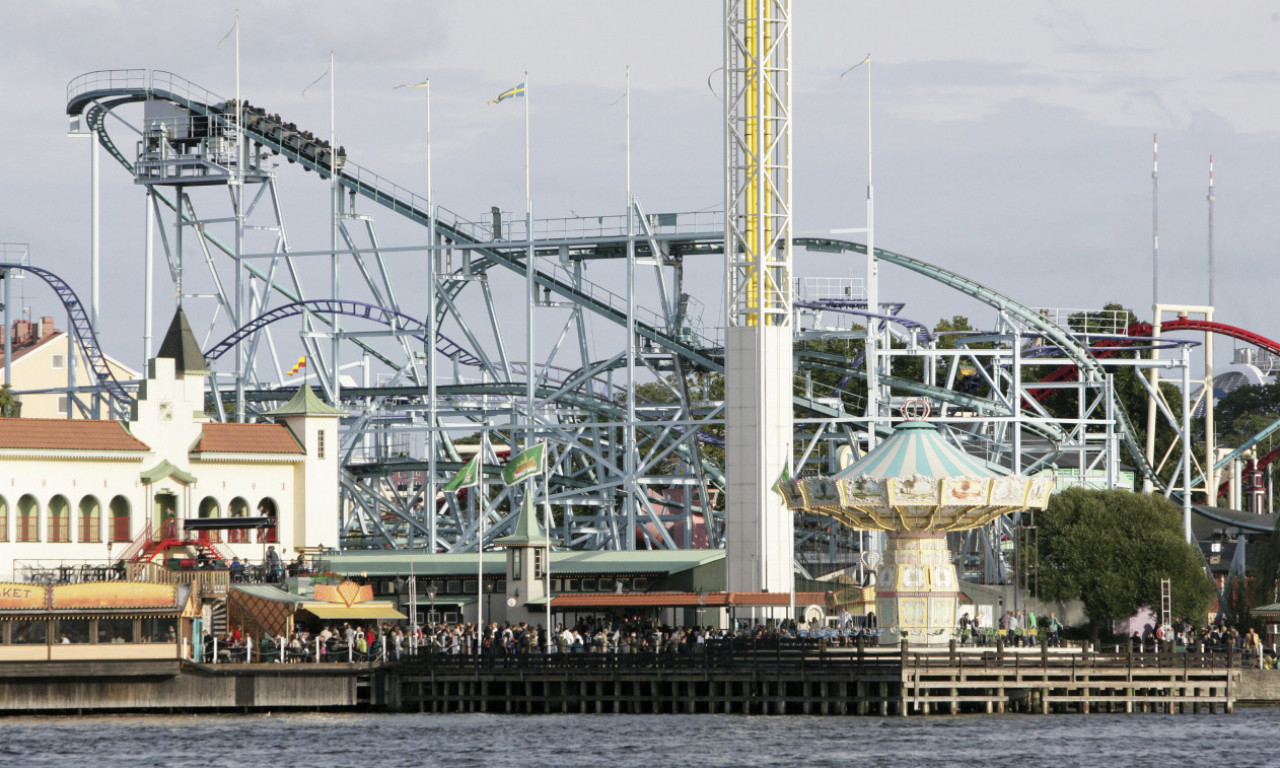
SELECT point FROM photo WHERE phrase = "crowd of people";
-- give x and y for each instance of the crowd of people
(1014, 628)
(347, 643)
(362, 643)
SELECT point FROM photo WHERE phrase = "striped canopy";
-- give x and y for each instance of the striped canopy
(916, 481)
(915, 448)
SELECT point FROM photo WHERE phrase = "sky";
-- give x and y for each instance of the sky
(1012, 141)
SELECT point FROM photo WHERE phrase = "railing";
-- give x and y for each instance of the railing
(212, 582)
(48, 572)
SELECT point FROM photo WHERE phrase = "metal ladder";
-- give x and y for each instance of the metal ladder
(1166, 608)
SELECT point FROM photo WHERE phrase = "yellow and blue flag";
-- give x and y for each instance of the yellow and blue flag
(514, 92)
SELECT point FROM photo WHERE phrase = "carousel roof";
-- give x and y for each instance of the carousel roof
(916, 481)
(916, 448)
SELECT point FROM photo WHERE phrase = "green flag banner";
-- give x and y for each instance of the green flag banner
(467, 477)
(528, 463)
(783, 478)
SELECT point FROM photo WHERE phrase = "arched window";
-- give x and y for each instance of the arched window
(90, 528)
(267, 508)
(28, 518)
(4, 519)
(120, 520)
(59, 519)
(209, 509)
(238, 508)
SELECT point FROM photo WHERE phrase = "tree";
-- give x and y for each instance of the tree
(1243, 413)
(9, 405)
(1110, 549)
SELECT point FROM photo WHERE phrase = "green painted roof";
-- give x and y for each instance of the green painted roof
(165, 469)
(528, 530)
(305, 401)
(269, 592)
(916, 448)
(181, 346)
(387, 564)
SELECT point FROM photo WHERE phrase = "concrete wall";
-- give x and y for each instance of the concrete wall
(145, 686)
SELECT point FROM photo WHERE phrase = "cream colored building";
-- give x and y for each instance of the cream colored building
(77, 490)
(42, 365)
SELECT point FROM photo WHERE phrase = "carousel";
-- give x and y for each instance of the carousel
(917, 487)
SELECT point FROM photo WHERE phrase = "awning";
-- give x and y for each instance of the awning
(358, 611)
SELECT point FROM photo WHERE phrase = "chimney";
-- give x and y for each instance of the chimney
(46, 327)
(21, 333)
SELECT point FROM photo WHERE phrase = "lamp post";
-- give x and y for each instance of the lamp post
(431, 609)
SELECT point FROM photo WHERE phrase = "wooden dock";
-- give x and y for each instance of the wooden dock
(816, 681)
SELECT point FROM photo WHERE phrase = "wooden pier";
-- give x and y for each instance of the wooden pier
(816, 681)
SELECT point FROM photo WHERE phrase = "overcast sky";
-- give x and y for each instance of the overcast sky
(1012, 139)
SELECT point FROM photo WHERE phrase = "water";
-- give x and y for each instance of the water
(635, 741)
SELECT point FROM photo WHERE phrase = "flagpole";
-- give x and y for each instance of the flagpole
(629, 461)
(480, 497)
(530, 283)
(530, 393)
(413, 610)
(333, 224)
(546, 563)
(432, 417)
(239, 234)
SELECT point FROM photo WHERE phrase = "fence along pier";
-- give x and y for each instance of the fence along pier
(813, 680)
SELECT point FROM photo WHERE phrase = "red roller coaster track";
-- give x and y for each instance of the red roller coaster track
(1144, 329)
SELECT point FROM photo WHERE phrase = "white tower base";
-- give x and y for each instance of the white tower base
(758, 446)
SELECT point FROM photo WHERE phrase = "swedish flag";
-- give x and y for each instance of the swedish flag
(513, 92)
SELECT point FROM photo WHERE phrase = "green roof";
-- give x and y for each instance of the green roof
(528, 530)
(165, 469)
(181, 346)
(269, 592)
(387, 564)
(306, 402)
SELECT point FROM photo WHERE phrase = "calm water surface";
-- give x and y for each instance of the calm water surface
(1250, 737)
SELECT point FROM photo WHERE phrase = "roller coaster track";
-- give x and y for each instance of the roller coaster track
(1143, 329)
(122, 86)
(1075, 349)
(82, 329)
(387, 317)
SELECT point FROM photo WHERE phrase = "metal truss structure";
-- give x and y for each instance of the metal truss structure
(414, 340)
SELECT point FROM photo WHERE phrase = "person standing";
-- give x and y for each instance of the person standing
(1253, 645)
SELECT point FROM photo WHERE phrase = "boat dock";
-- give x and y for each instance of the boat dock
(803, 679)
(818, 681)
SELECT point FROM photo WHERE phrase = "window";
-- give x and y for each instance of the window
(28, 519)
(90, 520)
(59, 362)
(111, 630)
(589, 585)
(29, 631)
(120, 523)
(538, 555)
(73, 630)
(59, 519)
(320, 444)
(159, 629)
(517, 563)
(62, 403)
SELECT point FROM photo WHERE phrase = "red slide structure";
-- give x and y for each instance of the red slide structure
(1143, 329)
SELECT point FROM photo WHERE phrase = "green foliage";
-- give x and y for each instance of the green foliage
(1267, 572)
(9, 405)
(1110, 549)
(1243, 413)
